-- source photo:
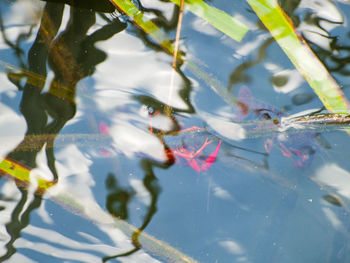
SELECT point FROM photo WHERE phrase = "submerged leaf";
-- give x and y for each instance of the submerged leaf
(302, 98)
(333, 199)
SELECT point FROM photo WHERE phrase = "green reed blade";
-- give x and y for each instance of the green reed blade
(131, 10)
(217, 18)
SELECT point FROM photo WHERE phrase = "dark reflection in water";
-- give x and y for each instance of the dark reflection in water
(238, 75)
(150, 182)
(118, 198)
(20, 218)
(72, 56)
(94, 5)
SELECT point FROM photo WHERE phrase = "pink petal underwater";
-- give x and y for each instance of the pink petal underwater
(103, 128)
(206, 164)
(194, 165)
(211, 159)
(105, 153)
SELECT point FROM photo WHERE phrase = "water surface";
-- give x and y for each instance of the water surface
(144, 163)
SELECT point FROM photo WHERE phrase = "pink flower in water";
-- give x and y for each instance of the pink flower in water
(103, 129)
(193, 159)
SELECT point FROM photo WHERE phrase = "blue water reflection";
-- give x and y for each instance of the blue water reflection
(109, 154)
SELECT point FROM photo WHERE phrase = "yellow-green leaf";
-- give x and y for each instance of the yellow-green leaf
(217, 18)
(131, 10)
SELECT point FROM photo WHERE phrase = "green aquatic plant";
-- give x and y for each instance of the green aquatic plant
(280, 27)
(217, 18)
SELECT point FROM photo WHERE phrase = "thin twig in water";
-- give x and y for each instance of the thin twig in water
(176, 50)
(178, 33)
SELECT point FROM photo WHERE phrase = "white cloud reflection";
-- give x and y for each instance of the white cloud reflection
(14, 132)
(325, 9)
(204, 27)
(16, 16)
(335, 178)
(225, 127)
(75, 182)
(18, 257)
(249, 47)
(292, 77)
(333, 218)
(141, 192)
(153, 71)
(131, 140)
(116, 87)
(222, 193)
(232, 247)
(59, 246)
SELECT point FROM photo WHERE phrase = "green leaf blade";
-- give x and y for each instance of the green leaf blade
(217, 18)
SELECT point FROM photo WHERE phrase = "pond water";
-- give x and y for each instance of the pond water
(109, 154)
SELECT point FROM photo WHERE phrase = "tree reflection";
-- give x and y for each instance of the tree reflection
(238, 75)
(20, 218)
(71, 55)
(118, 198)
(150, 182)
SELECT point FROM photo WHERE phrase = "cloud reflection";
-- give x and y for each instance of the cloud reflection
(153, 72)
(335, 178)
(221, 193)
(225, 127)
(15, 129)
(236, 249)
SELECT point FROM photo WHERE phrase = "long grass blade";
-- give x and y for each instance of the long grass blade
(217, 18)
